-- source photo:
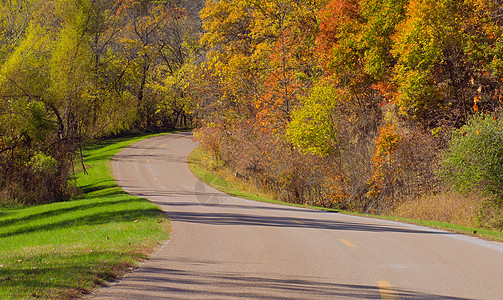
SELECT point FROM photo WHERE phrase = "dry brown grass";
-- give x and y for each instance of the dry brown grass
(451, 207)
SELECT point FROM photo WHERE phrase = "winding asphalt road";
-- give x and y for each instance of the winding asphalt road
(226, 247)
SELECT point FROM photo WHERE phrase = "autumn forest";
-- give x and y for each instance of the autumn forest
(372, 106)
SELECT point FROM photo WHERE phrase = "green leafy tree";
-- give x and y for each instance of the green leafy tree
(474, 159)
(381, 19)
(314, 125)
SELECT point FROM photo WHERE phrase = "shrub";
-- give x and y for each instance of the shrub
(474, 158)
(404, 160)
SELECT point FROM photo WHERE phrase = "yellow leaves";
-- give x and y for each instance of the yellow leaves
(388, 140)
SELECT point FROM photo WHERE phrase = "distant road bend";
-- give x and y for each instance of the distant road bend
(225, 247)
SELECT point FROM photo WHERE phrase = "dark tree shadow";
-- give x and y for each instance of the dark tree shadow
(258, 220)
(70, 267)
(92, 219)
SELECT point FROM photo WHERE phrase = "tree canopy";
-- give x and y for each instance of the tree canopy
(73, 70)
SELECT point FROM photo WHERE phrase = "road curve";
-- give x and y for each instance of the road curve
(225, 247)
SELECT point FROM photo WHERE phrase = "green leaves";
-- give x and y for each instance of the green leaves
(418, 48)
(313, 127)
(474, 158)
(381, 19)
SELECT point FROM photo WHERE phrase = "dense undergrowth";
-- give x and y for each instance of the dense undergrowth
(450, 211)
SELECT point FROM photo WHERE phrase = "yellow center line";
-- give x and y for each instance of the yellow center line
(162, 188)
(152, 153)
(148, 160)
(162, 146)
(155, 178)
(387, 292)
(297, 221)
(347, 243)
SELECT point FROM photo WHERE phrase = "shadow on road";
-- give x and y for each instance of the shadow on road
(219, 218)
(210, 285)
(245, 214)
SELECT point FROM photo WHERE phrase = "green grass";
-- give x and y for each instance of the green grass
(202, 166)
(488, 234)
(66, 249)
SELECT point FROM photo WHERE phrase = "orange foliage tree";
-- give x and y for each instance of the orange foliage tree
(356, 85)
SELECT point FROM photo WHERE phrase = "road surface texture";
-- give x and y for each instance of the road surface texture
(225, 247)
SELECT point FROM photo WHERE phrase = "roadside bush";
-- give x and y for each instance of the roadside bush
(210, 138)
(474, 158)
(32, 178)
(267, 161)
(386, 167)
(404, 163)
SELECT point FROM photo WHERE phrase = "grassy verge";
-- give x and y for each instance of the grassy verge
(223, 180)
(63, 250)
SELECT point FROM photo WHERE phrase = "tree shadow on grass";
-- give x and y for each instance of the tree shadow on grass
(61, 275)
(102, 185)
(98, 144)
(126, 215)
(98, 157)
(105, 191)
(5, 213)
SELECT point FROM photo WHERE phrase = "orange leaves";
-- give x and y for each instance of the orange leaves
(338, 21)
(387, 141)
(264, 52)
(476, 99)
(386, 89)
(386, 169)
(333, 16)
(334, 185)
